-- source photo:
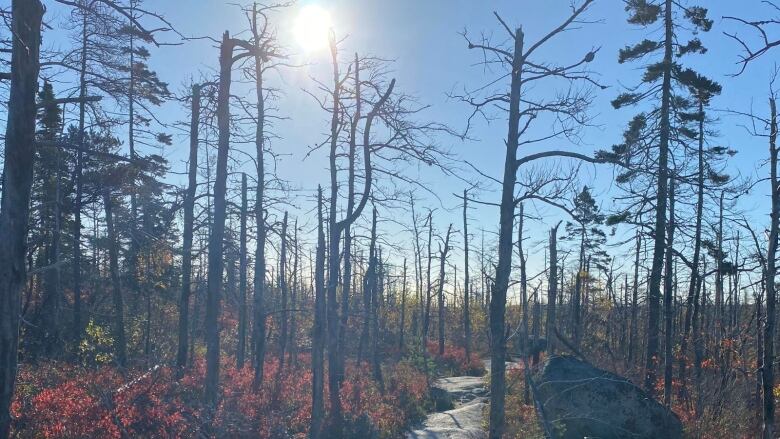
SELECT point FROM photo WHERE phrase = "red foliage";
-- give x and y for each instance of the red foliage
(454, 360)
(81, 403)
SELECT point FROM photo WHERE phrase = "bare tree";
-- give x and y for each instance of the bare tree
(522, 72)
(189, 215)
(442, 265)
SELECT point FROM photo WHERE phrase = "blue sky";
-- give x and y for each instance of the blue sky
(431, 59)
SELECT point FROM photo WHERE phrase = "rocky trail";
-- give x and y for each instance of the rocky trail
(461, 402)
(468, 397)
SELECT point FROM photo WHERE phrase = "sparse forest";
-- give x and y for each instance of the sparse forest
(344, 219)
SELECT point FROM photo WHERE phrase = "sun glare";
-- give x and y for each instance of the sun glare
(312, 27)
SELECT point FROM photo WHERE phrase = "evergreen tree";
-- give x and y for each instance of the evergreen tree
(655, 135)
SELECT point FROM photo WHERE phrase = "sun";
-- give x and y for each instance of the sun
(311, 27)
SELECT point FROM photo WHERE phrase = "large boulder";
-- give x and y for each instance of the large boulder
(580, 400)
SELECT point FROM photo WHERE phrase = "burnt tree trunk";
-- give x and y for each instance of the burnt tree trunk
(466, 282)
(318, 331)
(402, 324)
(552, 291)
(440, 294)
(120, 345)
(767, 369)
(189, 215)
(242, 281)
(258, 300)
(668, 297)
(504, 267)
(654, 287)
(694, 279)
(17, 183)
(217, 235)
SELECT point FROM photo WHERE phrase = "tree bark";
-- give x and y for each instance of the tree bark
(689, 304)
(242, 281)
(217, 236)
(402, 324)
(79, 184)
(668, 297)
(767, 369)
(318, 332)
(17, 182)
(189, 215)
(258, 302)
(552, 291)
(654, 290)
(440, 294)
(466, 283)
(120, 345)
(504, 268)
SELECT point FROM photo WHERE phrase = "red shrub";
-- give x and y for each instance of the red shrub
(454, 360)
(103, 403)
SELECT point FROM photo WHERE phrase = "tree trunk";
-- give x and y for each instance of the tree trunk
(284, 312)
(440, 295)
(334, 228)
(258, 305)
(189, 215)
(504, 268)
(466, 283)
(767, 369)
(552, 291)
(577, 299)
(120, 345)
(402, 324)
(668, 296)
(318, 332)
(427, 314)
(242, 281)
(634, 326)
(17, 182)
(523, 292)
(294, 300)
(654, 289)
(79, 184)
(689, 304)
(217, 236)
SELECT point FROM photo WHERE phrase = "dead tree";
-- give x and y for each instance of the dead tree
(242, 280)
(318, 331)
(402, 323)
(466, 282)
(216, 238)
(440, 294)
(668, 299)
(522, 73)
(189, 215)
(118, 320)
(552, 290)
(760, 28)
(767, 368)
(26, 17)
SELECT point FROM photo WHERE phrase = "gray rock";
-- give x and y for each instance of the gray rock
(460, 403)
(580, 400)
(460, 389)
(464, 422)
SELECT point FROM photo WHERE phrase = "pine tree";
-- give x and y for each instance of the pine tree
(662, 86)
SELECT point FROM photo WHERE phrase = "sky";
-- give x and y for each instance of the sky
(431, 60)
